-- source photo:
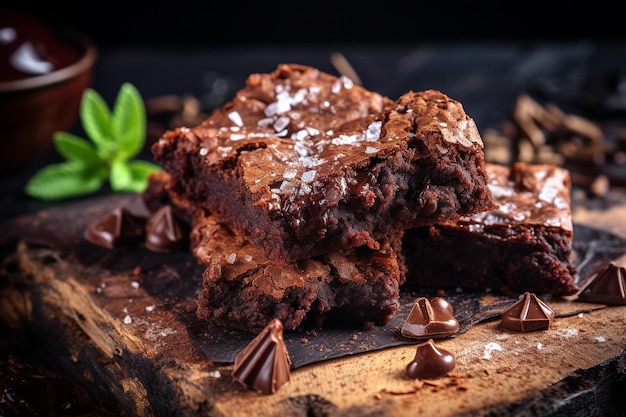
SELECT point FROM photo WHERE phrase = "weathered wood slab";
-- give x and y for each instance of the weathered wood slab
(124, 325)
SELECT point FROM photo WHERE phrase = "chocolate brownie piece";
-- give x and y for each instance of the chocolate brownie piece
(306, 163)
(243, 289)
(238, 276)
(525, 245)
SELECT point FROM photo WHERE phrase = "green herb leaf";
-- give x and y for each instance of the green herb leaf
(64, 180)
(141, 170)
(128, 122)
(121, 176)
(116, 137)
(74, 148)
(95, 116)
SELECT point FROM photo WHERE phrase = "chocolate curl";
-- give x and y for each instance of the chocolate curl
(264, 364)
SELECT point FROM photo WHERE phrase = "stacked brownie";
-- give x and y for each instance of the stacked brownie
(524, 245)
(300, 189)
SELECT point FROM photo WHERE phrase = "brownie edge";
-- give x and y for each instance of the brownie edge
(306, 163)
(243, 289)
(525, 245)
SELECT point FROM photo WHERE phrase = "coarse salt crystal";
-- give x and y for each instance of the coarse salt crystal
(372, 133)
(237, 136)
(489, 349)
(235, 117)
(134, 284)
(290, 173)
(600, 339)
(127, 319)
(281, 123)
(150, 308)
(308, 176)
(567, 333)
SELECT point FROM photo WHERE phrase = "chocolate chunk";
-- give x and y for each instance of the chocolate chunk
(119, 228)
(607, 287)
(527, 314)
(264, 364)
(433, 318)
(430, 362)
(165, 232)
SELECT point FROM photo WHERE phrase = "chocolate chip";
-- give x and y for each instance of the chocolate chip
(430, 362)
(165, 232)
(527, 314)
(434, 318)
(264, 363)
(607, 287)
(119, 228)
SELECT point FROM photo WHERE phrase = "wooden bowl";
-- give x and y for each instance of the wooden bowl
(35, 105)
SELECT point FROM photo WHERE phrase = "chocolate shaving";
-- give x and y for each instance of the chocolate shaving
(544, 133)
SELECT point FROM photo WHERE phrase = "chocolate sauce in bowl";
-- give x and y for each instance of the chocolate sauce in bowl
(28, 48)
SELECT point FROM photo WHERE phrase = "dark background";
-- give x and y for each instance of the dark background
(482, 55)
(236, 22)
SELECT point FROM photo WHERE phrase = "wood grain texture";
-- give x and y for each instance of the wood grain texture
(127, 339)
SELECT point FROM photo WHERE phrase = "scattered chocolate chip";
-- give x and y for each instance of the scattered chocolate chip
(264, 364)
(527, 314)
(165, 232)
(434, 318)
(430, 362)
(119, 228)
(607, 287)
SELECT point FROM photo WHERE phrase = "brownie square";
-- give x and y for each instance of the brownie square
(305, 163)
(243, 289)
(525, 245)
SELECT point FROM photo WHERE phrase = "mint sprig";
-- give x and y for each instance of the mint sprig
(117, 136)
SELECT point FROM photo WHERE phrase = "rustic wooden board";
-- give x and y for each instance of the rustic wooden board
(124, 325)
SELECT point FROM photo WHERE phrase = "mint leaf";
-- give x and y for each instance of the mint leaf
(141, 170)
(95, 116)
(128, 122)
(74, 148)
(131, 176)
(64, 180)
(116, 137)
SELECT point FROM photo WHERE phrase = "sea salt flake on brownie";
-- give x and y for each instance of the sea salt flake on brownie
(408, 162)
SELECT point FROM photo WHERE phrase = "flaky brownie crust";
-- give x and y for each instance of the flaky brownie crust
(305, 163)
(524, 245)
(243, 289)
